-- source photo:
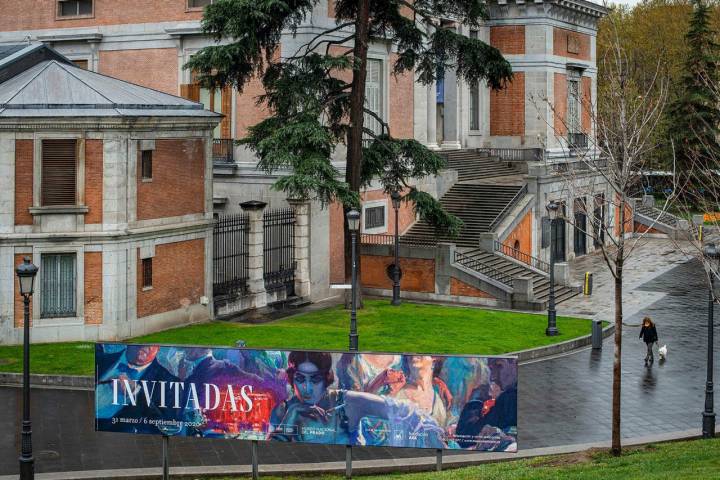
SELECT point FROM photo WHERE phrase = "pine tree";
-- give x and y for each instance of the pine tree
(313, 108)
(695, 117)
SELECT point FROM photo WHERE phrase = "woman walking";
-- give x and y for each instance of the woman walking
(648, 333)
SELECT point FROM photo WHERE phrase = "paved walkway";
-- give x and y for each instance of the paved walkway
(565, 400)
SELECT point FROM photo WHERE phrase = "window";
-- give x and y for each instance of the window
(57, 272)
(573, 105)
(474, 97)
(75, 8)
(374, 95)
(147, 281)
(59, 172)
(146, 164)
(374, 217)
(199, 3)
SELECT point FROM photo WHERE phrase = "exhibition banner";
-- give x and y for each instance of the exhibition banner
(370, 399)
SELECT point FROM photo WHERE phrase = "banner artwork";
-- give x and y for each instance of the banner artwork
(390, 400)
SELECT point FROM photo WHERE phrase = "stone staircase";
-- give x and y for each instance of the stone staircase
(477, 205)
(506, 269)
(472, 166)
(645, 213)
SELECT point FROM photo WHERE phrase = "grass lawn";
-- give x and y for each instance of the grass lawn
(409, 328)
(691, 460)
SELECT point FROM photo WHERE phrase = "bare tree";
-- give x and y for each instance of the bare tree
(619, 138)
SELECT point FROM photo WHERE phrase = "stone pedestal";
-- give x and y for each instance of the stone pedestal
(256, 282)
(302, 247)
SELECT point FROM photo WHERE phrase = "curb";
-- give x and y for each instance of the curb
(360, 467)
(87, 382)
(562, 347)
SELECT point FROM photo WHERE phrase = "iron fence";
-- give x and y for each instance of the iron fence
(510, 251)
(477, 265)
(279, 250)
(230, 255)
(514, 154)
(383, 239)
(223, 151)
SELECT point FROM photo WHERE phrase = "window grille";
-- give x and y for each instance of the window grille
(75, 8)
(59, 172)
(374, 217)
(58, 290)
(147, 278)
(146, 164)
(573, 99)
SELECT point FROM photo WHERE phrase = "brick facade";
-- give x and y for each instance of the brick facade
(93, 286)
(509, 39)
(23, 181)
(560, 104)
(178, 278)
(567, 43)
(94, 180)
(178, 180)
(522, 235)
(39, 14)
(401, 102)
(19, 304)
(587, 105)
(507, 108)
(460, 288)
(153, 68)
(418, 274)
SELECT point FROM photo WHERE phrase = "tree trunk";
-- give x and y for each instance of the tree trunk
(354, 148)
(617, 361)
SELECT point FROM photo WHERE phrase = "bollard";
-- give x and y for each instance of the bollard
(588, 284)
(597, 337)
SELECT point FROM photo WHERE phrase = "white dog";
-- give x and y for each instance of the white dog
(663, 352)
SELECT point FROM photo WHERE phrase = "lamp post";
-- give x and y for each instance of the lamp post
(353, 219)
(712, 255)
(551, 329)
(395, 196)
(26, 272)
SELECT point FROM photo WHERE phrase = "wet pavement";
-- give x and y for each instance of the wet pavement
(565, 400)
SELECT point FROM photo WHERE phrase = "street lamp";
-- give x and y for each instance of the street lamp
(551, 329)
(26, 272)
(712, 255)
(395, 196)
(353, 219)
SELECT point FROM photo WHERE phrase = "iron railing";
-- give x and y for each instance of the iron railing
(509, 251)
(382, 239)
(477, 265)
(223, 151)
(279, 250)
(230, 255)
(514, 154)
(521, 193)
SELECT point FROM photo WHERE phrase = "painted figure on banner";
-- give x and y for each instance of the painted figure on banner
(421, 401)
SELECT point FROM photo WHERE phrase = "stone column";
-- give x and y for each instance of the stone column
(302, 246)
(256, 282)
(432, 116)
(451, 121)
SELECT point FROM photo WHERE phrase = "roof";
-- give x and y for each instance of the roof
(55, 89)
(16, 58)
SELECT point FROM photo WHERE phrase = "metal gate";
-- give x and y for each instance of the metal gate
(279, 250)
(230, 255)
